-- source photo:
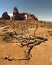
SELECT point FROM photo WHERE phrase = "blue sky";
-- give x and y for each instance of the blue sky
(41, 8)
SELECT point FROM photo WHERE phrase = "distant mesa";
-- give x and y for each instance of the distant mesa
(18, 16)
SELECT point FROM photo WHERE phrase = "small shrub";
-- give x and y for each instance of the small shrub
(8, 36)
(50, 33)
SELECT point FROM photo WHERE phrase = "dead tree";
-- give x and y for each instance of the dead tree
(30, 45)
(36, 27)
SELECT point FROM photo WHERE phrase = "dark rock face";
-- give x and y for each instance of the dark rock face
(16, 14)
(32, 17)
(5, 16)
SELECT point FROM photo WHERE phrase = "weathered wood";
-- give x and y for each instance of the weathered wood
(30, 45)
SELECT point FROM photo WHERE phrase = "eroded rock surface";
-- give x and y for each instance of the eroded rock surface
(16, 14)
(5, 16)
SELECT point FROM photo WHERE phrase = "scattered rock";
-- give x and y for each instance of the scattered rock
(7, 57)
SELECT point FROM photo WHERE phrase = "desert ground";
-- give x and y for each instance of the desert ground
(11, 52)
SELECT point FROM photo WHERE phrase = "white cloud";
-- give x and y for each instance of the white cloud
(10, 14)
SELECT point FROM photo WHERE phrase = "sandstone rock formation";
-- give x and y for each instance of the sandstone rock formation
(1, 18)
(5, 16)
(23, 15)
(16, 14)
(31, 17)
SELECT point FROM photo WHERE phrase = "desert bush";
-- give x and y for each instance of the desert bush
(42, 26)
(4, 21)
(50, 33)
(8, 36)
